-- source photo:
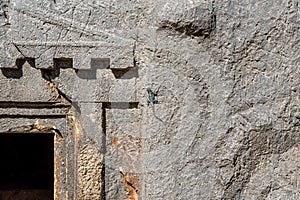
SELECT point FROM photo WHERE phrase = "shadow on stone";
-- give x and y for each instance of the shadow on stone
(96, 63)
(15, 72)
(196, 22)
(127, 73)
(86, 73)
(58, 63)
(120, 105)
(75, 104)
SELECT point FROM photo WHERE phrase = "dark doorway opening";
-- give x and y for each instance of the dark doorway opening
(26, 166)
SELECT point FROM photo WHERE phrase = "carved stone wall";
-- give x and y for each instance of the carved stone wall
(226, 125)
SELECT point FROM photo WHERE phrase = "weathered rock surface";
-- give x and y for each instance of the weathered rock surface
(227, 125)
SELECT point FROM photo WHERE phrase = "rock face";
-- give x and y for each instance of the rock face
(227, 122)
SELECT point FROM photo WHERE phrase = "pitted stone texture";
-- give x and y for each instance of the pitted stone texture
(26, 84)
(97, 85)
(90, 166)
(228, 107)
(278, 175)
(8, 53)
(4, 8)
(27, 125)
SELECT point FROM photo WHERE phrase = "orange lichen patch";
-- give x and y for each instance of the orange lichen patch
(115, 142)
(130, 183)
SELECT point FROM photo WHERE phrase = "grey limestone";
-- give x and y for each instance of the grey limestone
(227, 122)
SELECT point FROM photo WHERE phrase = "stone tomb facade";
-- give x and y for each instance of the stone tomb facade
(87, 120)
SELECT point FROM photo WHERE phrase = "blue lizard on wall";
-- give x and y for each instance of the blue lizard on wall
(152, 95)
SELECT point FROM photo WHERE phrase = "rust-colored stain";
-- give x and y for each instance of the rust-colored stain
(54, 89)
(77, 130)
(130, 183)
(43, 128)
(115, 142)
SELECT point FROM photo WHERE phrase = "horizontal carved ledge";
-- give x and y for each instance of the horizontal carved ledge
(82, 54)
(26, 104)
